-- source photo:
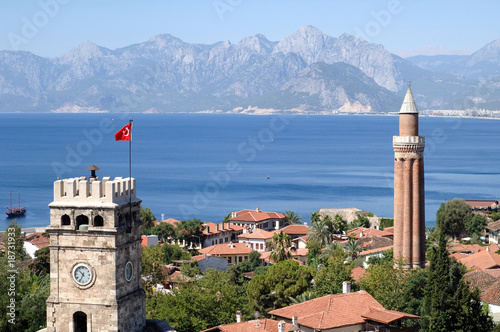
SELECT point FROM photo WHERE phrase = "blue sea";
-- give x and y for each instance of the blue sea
(207, 165)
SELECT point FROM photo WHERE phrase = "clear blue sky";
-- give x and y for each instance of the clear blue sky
(396, 24)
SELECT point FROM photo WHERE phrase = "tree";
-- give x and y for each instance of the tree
(476, 225)
(340, 224)
(386, 222)
(329, 250)
(292, 218)
(166, 232)
(352, 248)
(448, 303)
(41, 264)
(147, 217)
(273, 289)
(314, 217)
(173, 252)
(190, 231)
(321, 230)
(384, 283)
(314, 251)
(306, 296)
(204, 303)
(152, 264)
(280, 246)
(330, 277)
(452, 216)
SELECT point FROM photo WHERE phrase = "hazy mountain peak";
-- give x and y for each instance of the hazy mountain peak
(258, 43)
(307, 41)
(488, 53)
(165, 39)
(85, 51)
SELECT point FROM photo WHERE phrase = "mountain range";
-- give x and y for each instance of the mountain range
(307, 71)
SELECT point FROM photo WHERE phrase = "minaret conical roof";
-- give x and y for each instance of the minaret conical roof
(409, 105)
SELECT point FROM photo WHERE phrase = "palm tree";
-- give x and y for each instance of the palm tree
(315, 217)
(280, 246)
(352, 247)
(306, 296)
(329, 250)
(292, 218)
(321, 230)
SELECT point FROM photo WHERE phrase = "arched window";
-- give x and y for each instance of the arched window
(79, 322)
(98, 221)
(82, 220)
(65, 220)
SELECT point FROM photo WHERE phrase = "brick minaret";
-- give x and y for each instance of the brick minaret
(409, 212)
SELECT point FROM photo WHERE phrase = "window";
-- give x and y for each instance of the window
(81, 221)
(65, 221)
(240, 259)
(98, 221)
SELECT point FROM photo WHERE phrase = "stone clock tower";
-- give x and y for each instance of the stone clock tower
(95, 256)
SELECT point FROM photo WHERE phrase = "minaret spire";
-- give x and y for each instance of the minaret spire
(409, 211)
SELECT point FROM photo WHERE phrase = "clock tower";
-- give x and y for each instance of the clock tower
(95, 256)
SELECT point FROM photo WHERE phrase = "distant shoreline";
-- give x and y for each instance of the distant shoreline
(268, 114)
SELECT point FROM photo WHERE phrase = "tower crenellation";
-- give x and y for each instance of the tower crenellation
(83, 190)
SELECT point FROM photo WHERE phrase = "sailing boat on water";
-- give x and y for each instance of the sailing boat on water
(15, 212)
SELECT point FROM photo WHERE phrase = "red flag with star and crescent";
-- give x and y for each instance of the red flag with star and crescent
(124, 134)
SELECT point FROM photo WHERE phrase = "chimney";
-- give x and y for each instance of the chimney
(294, 320)
(228, 225)
(231, 245)
(346, 287)
(488, 248)
(216, 227)
(257, 209)
(361, 234)
(221, 226)
(281, 326)
(233, 214)
(238, 316)
(248, 244)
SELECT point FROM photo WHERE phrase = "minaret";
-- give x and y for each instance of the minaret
(409, 211)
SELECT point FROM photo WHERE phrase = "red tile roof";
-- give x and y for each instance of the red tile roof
(385, 316)
(492, 294)
(227, 249)
(38, 240)
(170, 221)
(257, 234)
(257, 325)
(481, 260)
(256, 216)
(294, 229)
(389, 229)
(357, 273)
(470, 248)
(330, 311)
(372, 251)
(482, 204)
(363, 232)
(211, 228)
(494, 226)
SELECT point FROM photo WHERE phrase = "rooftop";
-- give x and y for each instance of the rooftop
(481, 260)
(257, 234)
(227, 249)
(330, 311)
(256, 215)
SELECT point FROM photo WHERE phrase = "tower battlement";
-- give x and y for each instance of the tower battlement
(94, 190)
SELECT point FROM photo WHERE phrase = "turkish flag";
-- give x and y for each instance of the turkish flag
(124, 134)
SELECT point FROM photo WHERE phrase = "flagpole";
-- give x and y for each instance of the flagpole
(130, 175)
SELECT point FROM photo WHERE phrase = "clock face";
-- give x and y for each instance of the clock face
(82, 274)
(129, 271)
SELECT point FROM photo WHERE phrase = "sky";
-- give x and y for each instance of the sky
(51, 28)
